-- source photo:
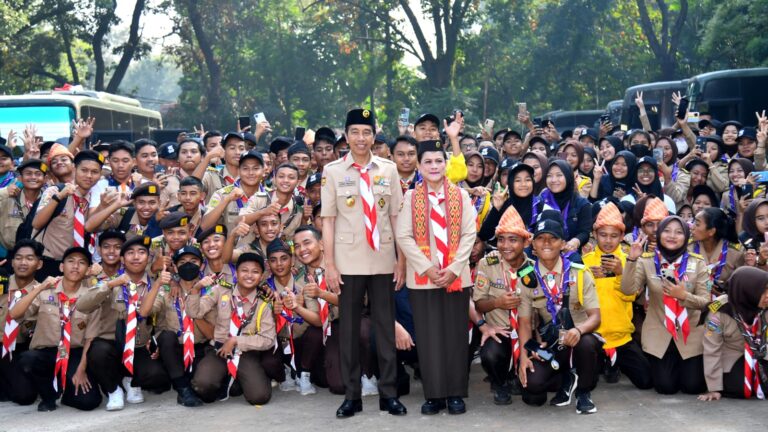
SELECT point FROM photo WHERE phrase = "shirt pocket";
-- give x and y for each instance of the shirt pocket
(382, 195)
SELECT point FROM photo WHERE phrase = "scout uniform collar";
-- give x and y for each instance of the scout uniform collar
(348, 160)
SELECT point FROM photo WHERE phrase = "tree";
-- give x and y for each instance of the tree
(665, 41)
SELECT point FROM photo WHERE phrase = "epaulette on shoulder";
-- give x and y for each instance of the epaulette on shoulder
(332, 163)
(718, 303)
(227, 189)
(492, 260)
(261, 194)
(212, 169)
(647, 255)
(384, 161)
(695, 255)
(735, 246)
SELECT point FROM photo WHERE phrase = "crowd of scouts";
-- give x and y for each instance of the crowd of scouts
(221, 266)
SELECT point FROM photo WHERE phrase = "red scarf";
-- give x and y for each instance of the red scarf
(66, 307)
(751, 366)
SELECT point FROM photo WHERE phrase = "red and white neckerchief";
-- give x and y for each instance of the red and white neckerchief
(131, 321)
(513, 323)
(235, 322)
(369, 206)
(11, 331)
(81, 206)
(751, 366)
(325, 309)
(228, 180)
(675, 314)
(187, 335)
(66, 307)
(439, 227)
(611, 353)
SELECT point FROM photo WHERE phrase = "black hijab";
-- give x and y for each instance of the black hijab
(745, 287)
(672, 255)
(655, 187)
(523, 205)
(563, 198)
(608, 183)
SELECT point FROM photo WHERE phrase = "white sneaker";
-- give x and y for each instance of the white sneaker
(133, 394)
(305, 385)
(369, 386)
(288, 385)
(116, 400)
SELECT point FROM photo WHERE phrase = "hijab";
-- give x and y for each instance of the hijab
(615, 142)
(541, 184)
(745, 287)
(564, 197)
(748, 219)
(655, 187)
(593, 154)
(672, 255)
(608, 183)
(523, 205)
(480, 182)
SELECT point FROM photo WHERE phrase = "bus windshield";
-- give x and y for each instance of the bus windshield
(52, 122)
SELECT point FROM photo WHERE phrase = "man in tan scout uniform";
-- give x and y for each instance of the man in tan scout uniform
(226, 203)
(361, 197)
(134, 214)
(234, 146)
(281, 202)
(16, 203)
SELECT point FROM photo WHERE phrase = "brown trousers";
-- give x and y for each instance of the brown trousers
(211, 377)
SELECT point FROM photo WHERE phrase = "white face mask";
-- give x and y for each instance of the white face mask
(682, 145)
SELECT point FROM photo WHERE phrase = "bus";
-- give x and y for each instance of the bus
(613, 110)
(568, 120)
(52, 112)
(734, 94)
(657, 98)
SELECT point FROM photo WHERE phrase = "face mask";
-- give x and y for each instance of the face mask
(189, 271)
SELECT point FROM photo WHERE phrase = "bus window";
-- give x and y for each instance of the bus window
(52, 122)
(121, 120)
(103, 117)
(140, 126)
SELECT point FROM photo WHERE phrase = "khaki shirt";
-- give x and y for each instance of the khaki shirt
(534, 300)
(26, 326)
(416, 262)
(45, 308)
(13, 210)
(295, 285)
(734, 259)
(168, 318)
(258, 335)
(723, 347)
(641, 274)
(227, 277)
(59, 235)
(169, 195)
(302, 278)
(493, 281)
(290, 216)
(213, 179)
(341, 199)
(231, 214)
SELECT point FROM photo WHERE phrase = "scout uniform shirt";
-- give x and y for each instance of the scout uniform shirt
(655, 337)
(340, 195)
(231, 215)
(7, 292)
(46, 308)
(615, 307)
(717, 270)
(60, 232)
(135, 228)
(416, 262)
(295, 285)
(111, 305)
(290, 215)
(534, 299)
(215, 179)
(13, 210)
(257, 335)
(194, 220)
(226, 278)
(723, 347)
(160, 247)
(169, 318)
(493, 281)
(302, 279)
(169, 195)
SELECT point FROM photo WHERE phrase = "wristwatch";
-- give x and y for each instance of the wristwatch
(480, 323)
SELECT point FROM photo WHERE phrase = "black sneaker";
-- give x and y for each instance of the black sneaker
(47, 406)
(515, 388)
(188, 398)
(564, 396)
(612, 374)
(502, 395)
(584, 404)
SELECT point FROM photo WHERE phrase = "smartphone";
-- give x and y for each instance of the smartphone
(701, 143)
(658, 154)
(534, 347)
(259, 117)
(746, 190)
(405, 117)
(762, 176)
(299, 134)
(607, 256)
(605, 119)
(244, 121)
(488, 126)
(522, 108)
(668, 274)
(682, 108)
(693, 117)
(159, 169)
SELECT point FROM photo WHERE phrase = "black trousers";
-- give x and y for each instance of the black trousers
(15, 385)
(634, 364)
(211, 376)
(39, 365)
(106, 360)
(172, 358)
(733, 381)
(672, 374)
(496, 360)
(440, 320)
(544, 378)
(381, 299)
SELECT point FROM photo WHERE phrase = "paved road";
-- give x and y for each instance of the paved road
(620, 408)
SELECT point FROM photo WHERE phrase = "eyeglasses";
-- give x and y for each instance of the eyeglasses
(645, 171)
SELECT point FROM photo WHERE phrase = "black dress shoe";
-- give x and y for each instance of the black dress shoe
(46, 406)
(393, 406)
(432, 406)
(188, 398)
(456, 405)
(349, 407)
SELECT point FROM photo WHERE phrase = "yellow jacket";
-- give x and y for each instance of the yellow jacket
(615, 307)
(456, 170)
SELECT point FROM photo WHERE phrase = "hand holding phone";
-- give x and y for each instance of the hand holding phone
(682, 109)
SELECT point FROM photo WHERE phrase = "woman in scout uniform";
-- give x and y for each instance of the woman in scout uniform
(561, 283)
(56, 359)
(26, 259)
(755, 226)
(436, 231)
(181, 340)
(606, 263)
(244, 332)
(734, 342)
(676, 282)
(282, 202)
(120, 350)
(225, 204)
(501, 277)
(714, 238)
(134, 214)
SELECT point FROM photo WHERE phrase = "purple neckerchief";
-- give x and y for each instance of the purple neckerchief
(675, 172)
(534, 210)
(731, 198)
(680, 270)
(549, 200)
(9, 177)
(721, 260)
(635, 233)
(552, 306)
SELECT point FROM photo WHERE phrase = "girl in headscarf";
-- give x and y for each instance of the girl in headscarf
(676, 284)
(620, 178)
(576, 211)
(735, 342)
(729, 131)
(736, 199)
(609, 147)
(714, 238)
(587, 166)
(753, 237)
(647, 183)
(521, 197)
(573, 153)
(540, 166)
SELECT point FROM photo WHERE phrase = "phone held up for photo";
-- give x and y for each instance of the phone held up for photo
(405, 117)
(259, 117)
(681, 110)
(244, 122)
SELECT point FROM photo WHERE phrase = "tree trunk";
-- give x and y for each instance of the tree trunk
(67, 40)
(97, 43)
(129, 48)
(214, 70)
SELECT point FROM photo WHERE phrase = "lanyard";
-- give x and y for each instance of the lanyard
(552, 302)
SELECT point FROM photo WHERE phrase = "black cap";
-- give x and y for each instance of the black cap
(78, 250)
(715, 139)
(174, 220)
(515, 168)
(730, 123)
(427, 117)
(314, 179)
(748, 132)
(251, 154)
(216, 229)
(705, 190)
(342, 140)
(279, 144)
(360, 116)
(249, 137)
(168, 150)
(277, 245)
(537, 138)
(510, 133)
(714, 123)
(143, 241)
(500, 132)
(232, 135)
(380, 138)
(102, 146)
(506, 163)
(490, 153)
(111, 234)
(696, 161)
(146, 189)
(187, 250)
(549, 226)
(590, 132)
(298, 147)
(430, 146)
(250, 257)
(7, 150)
(33, 163)
(326, 134)
(89, 155)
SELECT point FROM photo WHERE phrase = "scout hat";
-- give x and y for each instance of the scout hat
(146, 189)
(143, 241)
(174, 220)
(512, 223)
(78, 250)
(360, 116)
(251, 154)
(276, 246)
(216, 229)
(111, 234)
(33, 163)
(87, 155)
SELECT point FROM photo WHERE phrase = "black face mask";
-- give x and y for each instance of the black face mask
(189, 271)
